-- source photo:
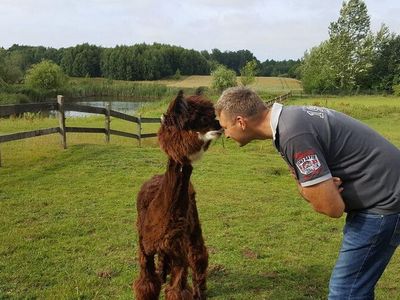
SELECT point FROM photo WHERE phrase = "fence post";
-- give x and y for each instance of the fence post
(61, 118)
(108, 121)
(140, 130)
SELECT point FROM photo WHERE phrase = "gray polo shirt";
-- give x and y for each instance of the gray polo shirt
(318, 143)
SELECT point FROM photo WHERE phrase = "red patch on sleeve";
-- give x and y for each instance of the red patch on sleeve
(307, 162)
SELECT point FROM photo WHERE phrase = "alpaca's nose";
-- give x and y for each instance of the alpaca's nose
(216, 125)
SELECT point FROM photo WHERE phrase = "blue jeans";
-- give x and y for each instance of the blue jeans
(369, 241)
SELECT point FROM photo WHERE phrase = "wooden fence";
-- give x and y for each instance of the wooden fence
(280, 98)
(61, 108)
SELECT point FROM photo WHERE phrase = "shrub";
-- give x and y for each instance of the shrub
(248, 73)
(45, 75)
(6, 98)
(177, 75)
(396, 89)
(223, 78)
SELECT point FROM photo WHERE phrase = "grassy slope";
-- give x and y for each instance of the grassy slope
(67, 217)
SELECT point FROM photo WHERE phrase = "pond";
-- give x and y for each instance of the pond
(127, 107)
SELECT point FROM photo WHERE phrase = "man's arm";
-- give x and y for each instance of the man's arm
(325, 197)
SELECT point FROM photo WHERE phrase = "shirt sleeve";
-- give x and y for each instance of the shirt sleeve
(305, 156)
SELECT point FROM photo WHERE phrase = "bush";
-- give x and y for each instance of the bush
(248, 73)
(6, 98)
(177, 75)
(46, 75)
(396, 89)
(223, 78)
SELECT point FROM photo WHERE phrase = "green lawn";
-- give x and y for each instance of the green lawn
(67, 216)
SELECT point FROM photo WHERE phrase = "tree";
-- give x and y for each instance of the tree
(279, 68)
(318, 75)
(248, 73)
(345, 61)
(386, 69)
(45, 75)
(10, 71)
(223, 78)
(82, 60)
(351, 40)
(234, 60)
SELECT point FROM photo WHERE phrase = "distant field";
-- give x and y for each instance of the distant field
(270, 84)
(268, 87)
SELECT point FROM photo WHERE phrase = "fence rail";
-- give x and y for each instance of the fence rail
(61, 108)
(27, 134)
(8, 110)
(280, 98)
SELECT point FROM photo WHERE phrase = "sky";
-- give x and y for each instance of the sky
(270, 29)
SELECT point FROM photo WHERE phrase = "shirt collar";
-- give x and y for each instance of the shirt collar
(275, 113)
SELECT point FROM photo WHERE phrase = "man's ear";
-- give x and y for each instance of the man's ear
(242, 122)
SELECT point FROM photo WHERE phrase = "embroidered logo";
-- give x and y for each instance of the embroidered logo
(307, 162)
(315, 111)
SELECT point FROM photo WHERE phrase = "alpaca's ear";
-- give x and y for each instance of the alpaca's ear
(179, 105)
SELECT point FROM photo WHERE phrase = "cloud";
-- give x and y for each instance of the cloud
(269, 28)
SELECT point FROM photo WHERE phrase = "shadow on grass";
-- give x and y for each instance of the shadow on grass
(310, 282)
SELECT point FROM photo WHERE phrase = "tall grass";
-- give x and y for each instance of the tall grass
(88, 87)
(121, 89)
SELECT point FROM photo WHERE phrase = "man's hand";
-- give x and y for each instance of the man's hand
(325, 197)
(338, 182)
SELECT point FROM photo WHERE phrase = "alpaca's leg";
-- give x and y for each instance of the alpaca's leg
(178, 288)
(163, 267)
(198, 259)
(148, 285)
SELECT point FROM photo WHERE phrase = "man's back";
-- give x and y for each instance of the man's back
(319, 142)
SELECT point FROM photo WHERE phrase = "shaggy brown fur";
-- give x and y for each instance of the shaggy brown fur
(168, 222)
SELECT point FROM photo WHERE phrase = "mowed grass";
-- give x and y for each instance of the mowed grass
(67, 216)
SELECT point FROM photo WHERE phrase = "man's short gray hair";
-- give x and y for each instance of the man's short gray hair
(241, 101)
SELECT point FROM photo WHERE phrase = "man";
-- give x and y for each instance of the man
(340, 165)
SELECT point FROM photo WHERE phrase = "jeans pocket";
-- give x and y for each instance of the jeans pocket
(395, 240)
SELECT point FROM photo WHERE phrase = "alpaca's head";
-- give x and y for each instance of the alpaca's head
(188, 127)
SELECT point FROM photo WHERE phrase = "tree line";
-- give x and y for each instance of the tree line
(136, 62)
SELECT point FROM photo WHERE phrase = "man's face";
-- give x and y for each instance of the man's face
(234, 128)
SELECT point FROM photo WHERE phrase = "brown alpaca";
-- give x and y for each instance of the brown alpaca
(168, 222)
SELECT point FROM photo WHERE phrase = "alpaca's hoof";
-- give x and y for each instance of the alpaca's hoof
(147, 288)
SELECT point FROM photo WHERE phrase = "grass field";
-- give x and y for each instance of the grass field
(67, 216)
(274, 85)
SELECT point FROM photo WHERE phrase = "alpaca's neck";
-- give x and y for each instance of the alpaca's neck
(176, 186)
